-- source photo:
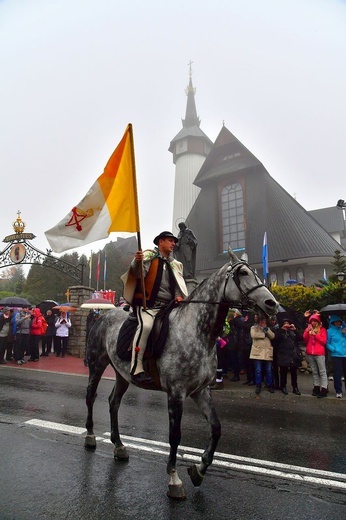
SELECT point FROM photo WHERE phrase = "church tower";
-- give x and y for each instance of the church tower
(189, 148)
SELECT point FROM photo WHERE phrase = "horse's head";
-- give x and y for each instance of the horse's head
(243, 285)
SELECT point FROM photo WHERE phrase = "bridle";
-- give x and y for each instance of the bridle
(233, 272)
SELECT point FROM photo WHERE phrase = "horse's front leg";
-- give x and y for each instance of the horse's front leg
(94, 379)
(204, 402)
(120, 387)
(175, 412)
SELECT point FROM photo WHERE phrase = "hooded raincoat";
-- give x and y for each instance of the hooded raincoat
(336, 342)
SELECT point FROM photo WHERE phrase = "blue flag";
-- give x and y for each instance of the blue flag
(265, 257)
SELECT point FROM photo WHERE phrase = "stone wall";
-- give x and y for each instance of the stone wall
(76, 344)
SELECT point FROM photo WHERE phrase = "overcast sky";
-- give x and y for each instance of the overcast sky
(75, 72)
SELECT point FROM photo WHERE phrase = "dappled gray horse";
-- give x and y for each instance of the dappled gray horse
(188, 362)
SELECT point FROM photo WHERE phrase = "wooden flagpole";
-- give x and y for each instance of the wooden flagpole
(139, 241)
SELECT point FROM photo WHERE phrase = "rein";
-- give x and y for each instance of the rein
(232, 271)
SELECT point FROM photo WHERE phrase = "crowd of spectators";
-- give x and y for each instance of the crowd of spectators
(266, 351)
(24, 331)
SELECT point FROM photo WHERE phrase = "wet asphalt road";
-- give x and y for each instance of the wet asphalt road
(47, 474)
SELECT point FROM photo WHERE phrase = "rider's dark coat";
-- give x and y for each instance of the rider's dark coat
(153, 266)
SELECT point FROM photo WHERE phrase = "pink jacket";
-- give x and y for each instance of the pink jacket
(315, 343)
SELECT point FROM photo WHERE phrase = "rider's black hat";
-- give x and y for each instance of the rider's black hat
(164, 234)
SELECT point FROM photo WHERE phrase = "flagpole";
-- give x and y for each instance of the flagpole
(139, 241)
(90, 266)
(104, 272)
(98, 271)
(265, 261)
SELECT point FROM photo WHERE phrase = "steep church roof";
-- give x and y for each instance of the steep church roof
(228, 155)
(292, 232)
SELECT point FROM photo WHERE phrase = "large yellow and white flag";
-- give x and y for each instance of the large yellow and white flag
(111, 204)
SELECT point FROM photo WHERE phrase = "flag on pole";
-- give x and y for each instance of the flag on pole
(104, 272)
(111, 203)
(265, 257)
(98, 270)
(90, 267)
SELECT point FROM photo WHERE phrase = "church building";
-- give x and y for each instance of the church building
(227, 197)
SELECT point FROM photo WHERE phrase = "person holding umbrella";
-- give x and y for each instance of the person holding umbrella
(62, 325)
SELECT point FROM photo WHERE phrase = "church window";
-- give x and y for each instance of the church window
(273, 278)
(227, 157)
(232, 217)
(286, 275)
(181, 146)
(300, 275)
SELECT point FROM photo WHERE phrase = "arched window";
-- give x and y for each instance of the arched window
(300, 275)
(286, 275)
(273, 279)
(232, 217)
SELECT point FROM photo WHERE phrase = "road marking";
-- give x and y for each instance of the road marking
(65, 428)
(224, 460)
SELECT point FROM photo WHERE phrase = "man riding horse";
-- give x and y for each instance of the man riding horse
(163, 282)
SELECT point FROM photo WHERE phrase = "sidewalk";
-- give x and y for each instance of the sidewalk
(305, 385)
(68, 365)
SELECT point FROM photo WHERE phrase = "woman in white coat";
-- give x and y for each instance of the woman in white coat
(62, 325)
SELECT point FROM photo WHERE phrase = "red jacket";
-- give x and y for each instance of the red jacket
(36, 323)
(315, 343)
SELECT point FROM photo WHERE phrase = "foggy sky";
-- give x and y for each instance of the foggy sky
(75, 72)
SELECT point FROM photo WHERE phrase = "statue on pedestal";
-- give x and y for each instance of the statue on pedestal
(185, 251)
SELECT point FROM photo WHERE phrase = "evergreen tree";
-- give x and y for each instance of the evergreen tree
(339, 264)
(12, 280)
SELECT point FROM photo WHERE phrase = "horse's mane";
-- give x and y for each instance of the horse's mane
(199, 291)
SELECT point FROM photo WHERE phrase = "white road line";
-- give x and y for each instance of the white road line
(248, 460)
(186, 453)
(56, 426)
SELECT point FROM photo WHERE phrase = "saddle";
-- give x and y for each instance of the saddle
(156, 340)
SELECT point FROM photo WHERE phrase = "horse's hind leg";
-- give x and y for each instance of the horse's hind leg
(120, 387)
(95, 374)
(206, 405)
(175, 412)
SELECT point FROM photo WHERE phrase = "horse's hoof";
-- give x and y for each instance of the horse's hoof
(121, 453)
(90, 442)
(177, 492)
(195, 476)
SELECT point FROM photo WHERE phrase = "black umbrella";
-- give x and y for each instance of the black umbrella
(15, 301)
(285, 313)
(46, 305)
(334, 308)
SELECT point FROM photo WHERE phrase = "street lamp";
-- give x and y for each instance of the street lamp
(341, 277)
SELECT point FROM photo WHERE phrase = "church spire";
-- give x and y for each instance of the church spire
(191, 118)
(189, 148)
